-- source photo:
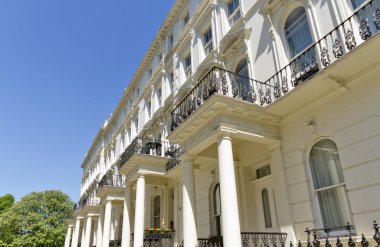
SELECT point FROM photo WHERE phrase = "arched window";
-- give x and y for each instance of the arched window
(266, 208)
(297, 31)
(156, 211)
(329, 185)
(243, 83)
(357, 3)
(217, 212)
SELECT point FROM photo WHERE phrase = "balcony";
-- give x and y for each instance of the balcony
(146, 151)
(157, 238)
(340, 56)
(248, 239)
(88, 201)
(110, 183)
(222, 82)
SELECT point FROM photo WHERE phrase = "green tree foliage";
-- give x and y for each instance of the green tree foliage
(38, 219)
(6, 202)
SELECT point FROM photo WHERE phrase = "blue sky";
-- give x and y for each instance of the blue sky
(63, 67)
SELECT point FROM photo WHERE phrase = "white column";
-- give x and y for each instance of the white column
(74, 243)
(139, 211)
(99, 231)
(189, 208)
(68, 235)
(83, 232)
(228, 194)
(175, 209)
(87, 237)
(126, 235)
(107, 224)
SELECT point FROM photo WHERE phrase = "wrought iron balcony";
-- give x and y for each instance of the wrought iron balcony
(248, 239)
(152, 148)
(218, 81)
(89, 201)
(344, 38)
(111, 180)
(157, 238)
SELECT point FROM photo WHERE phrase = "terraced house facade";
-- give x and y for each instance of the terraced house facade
(247, 122)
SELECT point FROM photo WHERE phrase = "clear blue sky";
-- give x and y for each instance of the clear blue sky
(63, 67)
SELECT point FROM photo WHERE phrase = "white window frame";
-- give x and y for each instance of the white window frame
(188, 65)
(207, 40)
(236, 14)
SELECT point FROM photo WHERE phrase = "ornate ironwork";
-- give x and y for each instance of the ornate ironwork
(350, 40)
(285, 87)
(376, 236)
(365, 31)
(325, 58)
(376, 18)
(111, 180)
(148, 146)
(364, 241)
(276, 92)
(337, 49)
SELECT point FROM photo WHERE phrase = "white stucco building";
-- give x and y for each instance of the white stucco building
(247, 122)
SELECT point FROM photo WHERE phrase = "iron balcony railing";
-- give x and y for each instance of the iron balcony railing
(152, 147)
(87, 201)
(157, 238)
(111, 180)
(217, 81)
(344, 38)
(248, 239)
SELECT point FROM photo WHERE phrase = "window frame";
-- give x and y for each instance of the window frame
(314, 194)
(235, 15)
(187, 65)
(208, 44)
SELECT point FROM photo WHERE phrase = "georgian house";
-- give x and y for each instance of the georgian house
(247, 122)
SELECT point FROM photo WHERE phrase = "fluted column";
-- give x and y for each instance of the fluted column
(87, 235)
(126, 235)
(99, 231)
(107, 224)
(68, 235)
(74, 243)
(139, 211)
(228, 194)
(189, 207)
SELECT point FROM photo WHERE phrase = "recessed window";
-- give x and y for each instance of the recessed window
(207, 41)
(329, 185)
(297, 31)
(150, 72)
(170, 39)
(263, 171)
(217, 212)
(148, 108)
(171, 81)
(233, 9)
(188, 65)
(156, 211)
(186, 18)
(266, 208)
(159, 96)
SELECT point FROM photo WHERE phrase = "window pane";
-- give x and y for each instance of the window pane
(297, 31)
(266, 208)
(263, 172)
(157, 206)
(357, 3)
(325, 164)
(333, 205)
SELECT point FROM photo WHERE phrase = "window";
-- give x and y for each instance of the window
(150, 72)
(233, 11)
(186, 19)
(266, 208)
(156, 211)
(217, 224)
(171, 40)
(357, 3)
(188, 65)
(207, 41)
(171, 81)
(159, 96)
(160, 57)
(329, 185)
(297, 31)
(263, 171)
(243, 82)
(149, 108)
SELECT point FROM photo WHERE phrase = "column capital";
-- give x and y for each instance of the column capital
(188, 158)
(224, 136)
